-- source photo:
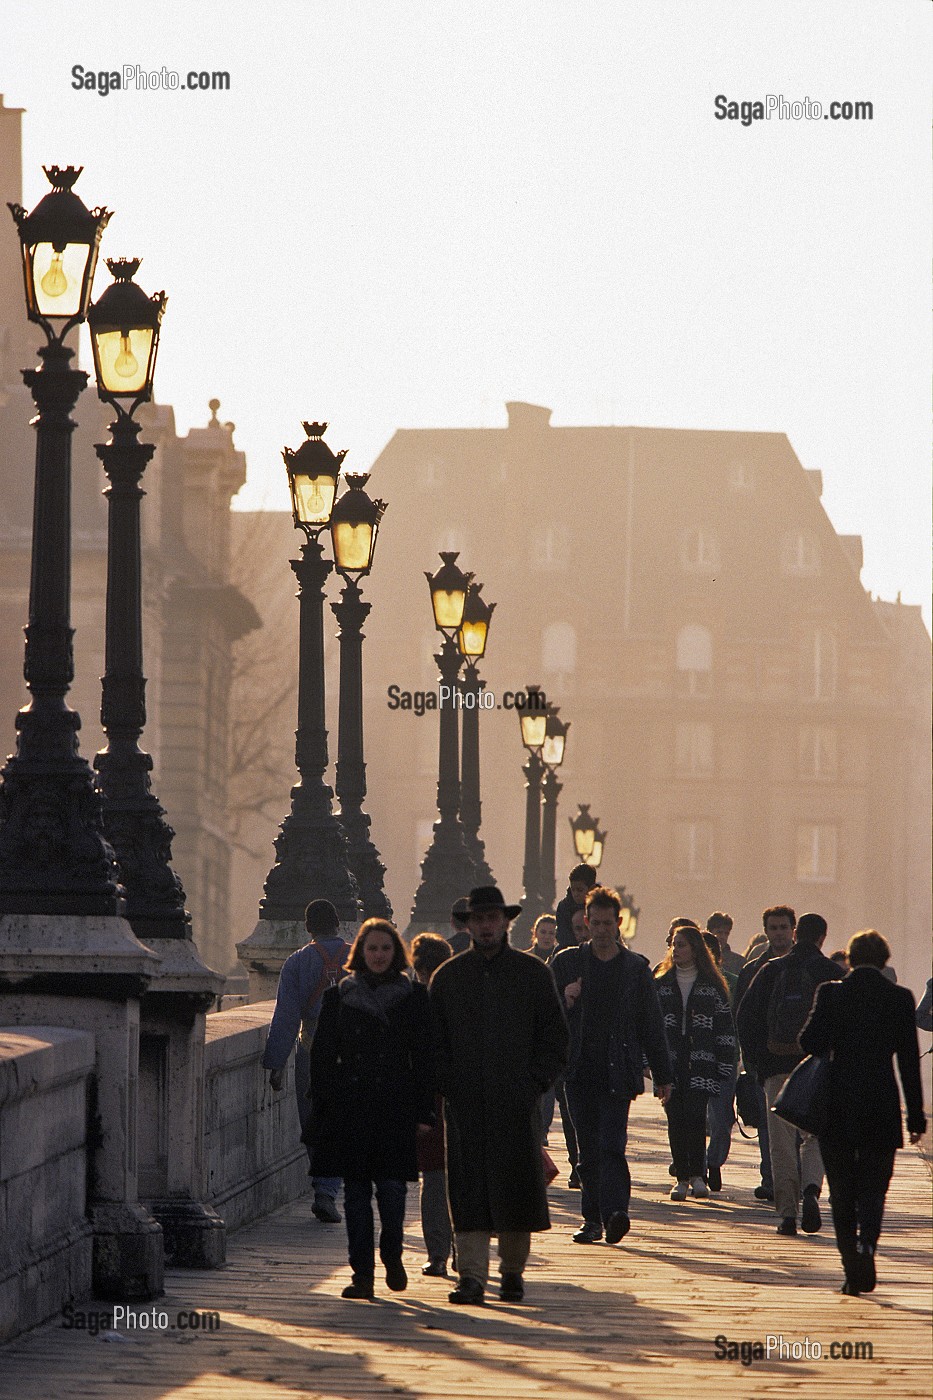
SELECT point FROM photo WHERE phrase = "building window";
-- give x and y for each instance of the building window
(819, 666)
(694, 750)
(550, 547)
(699, 552)
(817, 753)
(694, 661)
(693, 850)
(800, 554)
(816, 854)
(741, 477)
(559, 651)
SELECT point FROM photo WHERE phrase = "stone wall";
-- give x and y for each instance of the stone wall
(45, 1237)
(253, 1156)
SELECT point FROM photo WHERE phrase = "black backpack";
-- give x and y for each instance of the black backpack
(789, 1006)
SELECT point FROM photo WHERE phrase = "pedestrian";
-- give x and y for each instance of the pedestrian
(778, 922)
(720, 1108)
(428, 951)
(863, 1021)
(581, 880)
(543, 937)
(371, 1087)
(771, 1016)
(306, 974)
(615, 1023)
(500, 1042)
(460, 930)
(701, 1040)
(721, 925)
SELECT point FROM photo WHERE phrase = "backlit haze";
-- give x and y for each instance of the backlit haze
(403, 215)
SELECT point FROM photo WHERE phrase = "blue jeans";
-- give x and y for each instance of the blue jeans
(600, 1121)
(323, 1185)
(720, 1116)
(358, 1213)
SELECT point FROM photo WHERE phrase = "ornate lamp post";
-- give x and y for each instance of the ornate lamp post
(311, 848)
(54, 856)
(471, 643)
(124, 326)
(447, 871)
(533, 722)
(552, 756)
(583, 827)
(354, 526)
(628, 922)
(595, 858)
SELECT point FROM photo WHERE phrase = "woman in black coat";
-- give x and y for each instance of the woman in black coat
(371, 1087)
(700, 1034)
(864, 1020)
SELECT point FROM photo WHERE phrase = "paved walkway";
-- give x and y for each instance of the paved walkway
(638, 1320)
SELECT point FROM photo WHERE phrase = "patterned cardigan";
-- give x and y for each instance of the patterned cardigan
(709, 1042)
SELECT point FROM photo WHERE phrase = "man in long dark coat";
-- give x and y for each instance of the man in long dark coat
(500, 1042)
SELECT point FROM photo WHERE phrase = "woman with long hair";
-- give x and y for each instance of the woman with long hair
(863, 1022)
(371, 1073)
(701, 1040)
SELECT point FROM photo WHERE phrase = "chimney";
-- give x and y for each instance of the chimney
(527, 417)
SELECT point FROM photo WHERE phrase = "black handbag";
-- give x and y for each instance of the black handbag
(804, 1099)
(746, 1101)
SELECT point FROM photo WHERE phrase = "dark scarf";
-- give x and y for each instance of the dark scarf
(374, 996)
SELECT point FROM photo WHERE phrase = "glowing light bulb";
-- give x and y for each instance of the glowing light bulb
(316, 503)
(126, 363)
(55, 283)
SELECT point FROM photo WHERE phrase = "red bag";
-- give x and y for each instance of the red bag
(550, 1171)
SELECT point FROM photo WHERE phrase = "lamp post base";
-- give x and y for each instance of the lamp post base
(128, 1255)
(447, 874)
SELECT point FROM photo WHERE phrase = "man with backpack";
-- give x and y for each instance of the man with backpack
(304, 979)
(771, 1016)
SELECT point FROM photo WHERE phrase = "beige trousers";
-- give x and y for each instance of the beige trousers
(790, 1181)
(473, 1253)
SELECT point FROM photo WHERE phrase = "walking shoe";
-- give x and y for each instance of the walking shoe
(865, 1277)
(324, 1209)
(396, 1277)
(573, 1181)
(810, 1218)
(468, 1290)
(435, 1268)
(590, 1232)
(512, 1288)
(698, 1186)
(679, 1192)
(714, 1177)
(617, 1227)
(764, 1193)
(788, 1226)
(360, 1288)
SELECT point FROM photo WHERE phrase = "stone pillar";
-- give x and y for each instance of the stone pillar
(88, 973)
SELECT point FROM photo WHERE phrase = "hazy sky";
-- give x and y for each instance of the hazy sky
(403, 214)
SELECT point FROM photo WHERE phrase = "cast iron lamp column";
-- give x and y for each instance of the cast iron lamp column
(471, 643)
(552, 755)
(447, 871)
(311, 848)
(125, 326)
(533, 720)
(54, 856)
(354, 526)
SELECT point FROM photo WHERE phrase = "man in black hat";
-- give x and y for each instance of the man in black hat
(501, 1040)
(306, 974)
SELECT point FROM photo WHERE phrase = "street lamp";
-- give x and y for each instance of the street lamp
(354, 525)
(628, 921)
(311, 848)
(54, 856)
(447, 871)
(595, 858)
(552, 756)
(124, 326)
(583, 827)
(533, 721)
(471, 643)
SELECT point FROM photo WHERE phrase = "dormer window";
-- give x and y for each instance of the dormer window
(699, 551)
(800, 554)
